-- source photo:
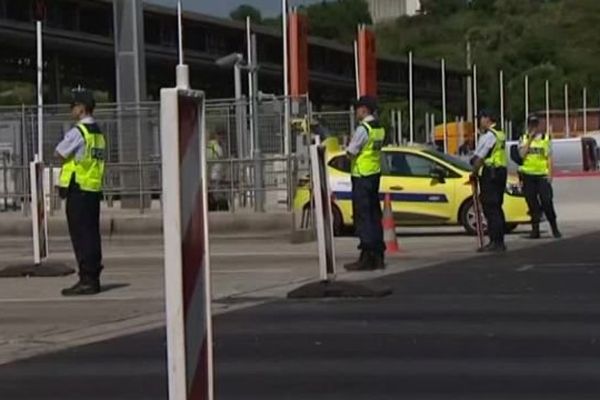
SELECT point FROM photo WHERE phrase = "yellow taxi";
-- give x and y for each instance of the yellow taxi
(427, 188)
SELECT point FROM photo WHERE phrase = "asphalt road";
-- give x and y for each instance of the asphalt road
(525, 325)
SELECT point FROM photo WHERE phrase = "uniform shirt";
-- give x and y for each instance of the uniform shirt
(360, 137)
(73, 142)
(523, 143)
(486, 143)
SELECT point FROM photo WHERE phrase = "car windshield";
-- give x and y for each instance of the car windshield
(452, 160)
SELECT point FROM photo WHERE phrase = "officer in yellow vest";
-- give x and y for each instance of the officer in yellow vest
(364, 151)
(489, 166)
(82, 152)
(535, 149)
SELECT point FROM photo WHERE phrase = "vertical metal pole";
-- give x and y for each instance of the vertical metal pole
(411, 116)
(501, 99)
(432, 126)
(394, 126)
(585, 111)
(286, 83)
(180, 31)
(428, 127)
(40, 92)
(356, 69)
(444, 116)
(567, 126)
(469, 84)
(140, 169)
(182, 70)
(250, 83)
(547, 106)
(526, 98)
(475, 107)
(400, 127)
(237, 76)
(259, 205)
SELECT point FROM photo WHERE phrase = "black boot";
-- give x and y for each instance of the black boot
(85, 286)
(378, 261)
(555, 232)
(358, 264)
(535, 231)
(493, 247)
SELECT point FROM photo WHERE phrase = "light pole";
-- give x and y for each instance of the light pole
(236, 61)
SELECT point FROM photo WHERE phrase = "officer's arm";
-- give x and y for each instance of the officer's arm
(72, 141)
(487, 142)
(359, 139)
(525, 145)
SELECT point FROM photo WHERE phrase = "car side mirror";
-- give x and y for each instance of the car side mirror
(438, 174)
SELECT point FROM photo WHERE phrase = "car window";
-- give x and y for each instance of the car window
(341, 163)
(410, 165)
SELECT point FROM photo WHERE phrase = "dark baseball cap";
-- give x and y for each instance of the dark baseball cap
(533, 119)
(84, 97)
(487, 113)
(367, 101)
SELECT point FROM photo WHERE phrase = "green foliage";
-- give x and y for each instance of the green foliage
(337, 19)
(544, 39)
(245, 10)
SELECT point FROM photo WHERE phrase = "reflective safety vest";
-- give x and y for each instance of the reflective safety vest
(497, 157)
(536, 160)
(213, 148)
(368, 160)
(88, 172)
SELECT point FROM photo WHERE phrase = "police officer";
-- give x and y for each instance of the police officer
(535, 149)
(489, 166)
(82, 152)
(364, 152)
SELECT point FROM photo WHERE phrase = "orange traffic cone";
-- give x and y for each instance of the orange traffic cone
(389, 227)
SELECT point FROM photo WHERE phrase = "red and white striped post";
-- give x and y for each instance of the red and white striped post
(187, 269)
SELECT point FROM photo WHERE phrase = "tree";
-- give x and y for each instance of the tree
(244, 11)
(338, 19)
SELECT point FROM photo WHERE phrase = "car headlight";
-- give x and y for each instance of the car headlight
(514, 189)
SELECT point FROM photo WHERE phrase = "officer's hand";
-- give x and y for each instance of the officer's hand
(473, 177)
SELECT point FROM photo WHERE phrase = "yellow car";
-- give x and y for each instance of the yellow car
(427, 188)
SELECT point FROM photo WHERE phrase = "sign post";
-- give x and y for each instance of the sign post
(328, 284)
(185, 221)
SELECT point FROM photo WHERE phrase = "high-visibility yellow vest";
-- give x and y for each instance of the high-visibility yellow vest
(213, 150)
(368, 160)
(536, 160)
(89, 171)
(497, 157)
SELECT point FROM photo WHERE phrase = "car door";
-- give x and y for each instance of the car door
(417, 196)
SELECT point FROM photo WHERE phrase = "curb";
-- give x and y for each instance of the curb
(219, 223)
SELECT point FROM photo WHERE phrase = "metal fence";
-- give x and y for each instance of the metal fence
(133, 175)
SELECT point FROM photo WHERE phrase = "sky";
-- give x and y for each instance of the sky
(222, 8)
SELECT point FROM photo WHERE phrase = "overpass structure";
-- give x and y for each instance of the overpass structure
(79, 44)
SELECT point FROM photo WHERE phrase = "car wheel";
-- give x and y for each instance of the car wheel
(339, 229)
(467, 218)
(338, 222)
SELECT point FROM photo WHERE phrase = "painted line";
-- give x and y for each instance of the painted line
(525, 267)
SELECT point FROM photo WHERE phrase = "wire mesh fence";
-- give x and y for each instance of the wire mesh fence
(133, 168)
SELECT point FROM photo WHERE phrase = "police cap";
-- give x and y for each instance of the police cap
(533, 120)
(369, 102)
(487, 113)
(83, 97)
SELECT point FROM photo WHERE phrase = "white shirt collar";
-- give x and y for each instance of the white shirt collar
(369, 118)
(87, 120)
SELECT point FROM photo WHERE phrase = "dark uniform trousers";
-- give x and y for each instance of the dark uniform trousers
(493, 185)
(538, 194)
(83, 219)
(367, 213)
